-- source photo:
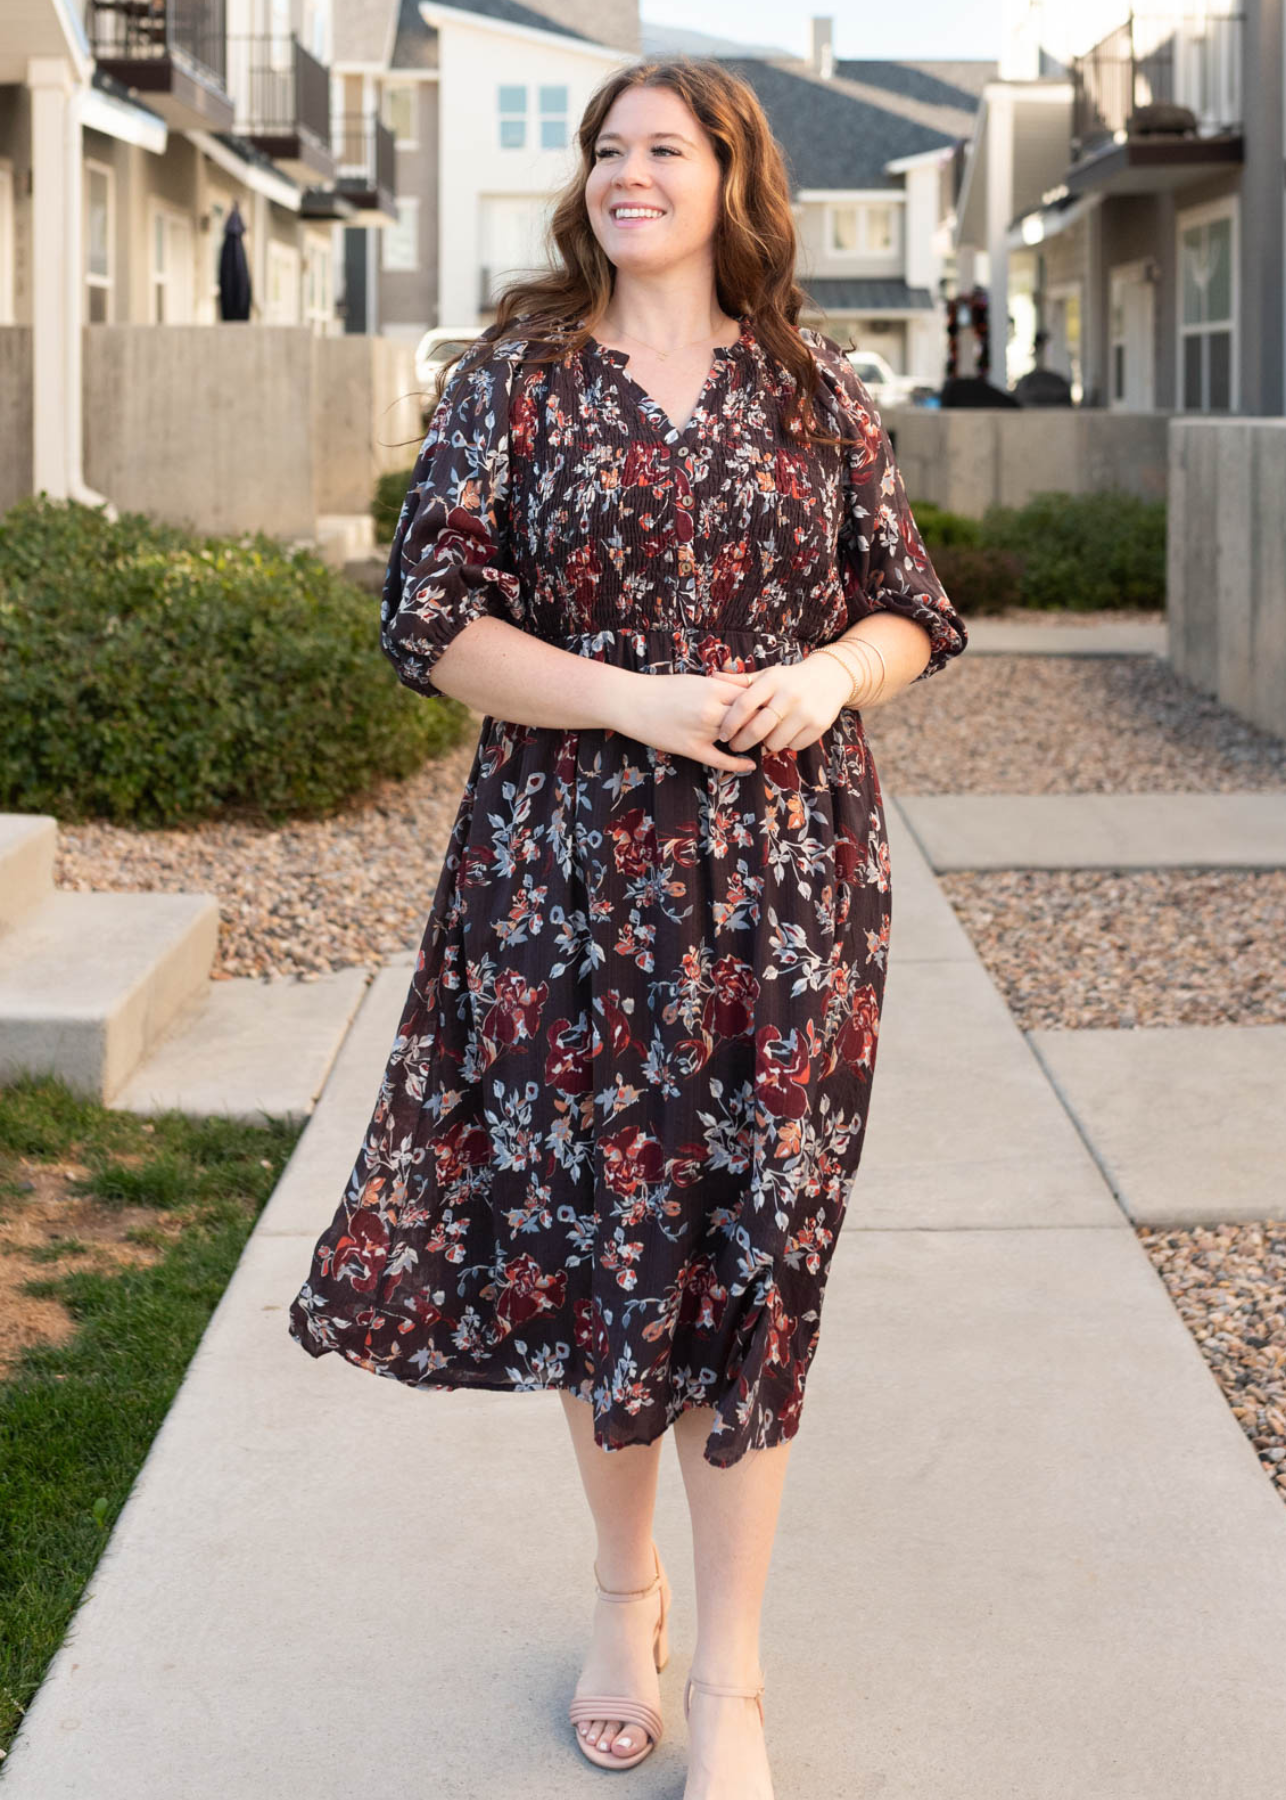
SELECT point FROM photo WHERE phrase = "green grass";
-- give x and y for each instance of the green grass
(77, 1419)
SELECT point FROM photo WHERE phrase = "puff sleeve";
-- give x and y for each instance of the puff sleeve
(883, 563)
(448, 564)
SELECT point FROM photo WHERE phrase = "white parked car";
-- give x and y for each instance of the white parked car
(886, 387)
(438, 345)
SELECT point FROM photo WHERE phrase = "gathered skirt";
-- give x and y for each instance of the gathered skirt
(613, 1143)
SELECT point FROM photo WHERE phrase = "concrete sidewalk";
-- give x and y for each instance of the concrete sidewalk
(1025, 1548)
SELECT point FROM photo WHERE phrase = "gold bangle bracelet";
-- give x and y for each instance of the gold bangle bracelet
(826, 650)
(866, 644)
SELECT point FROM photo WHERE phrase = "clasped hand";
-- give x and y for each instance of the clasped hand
(782, 706)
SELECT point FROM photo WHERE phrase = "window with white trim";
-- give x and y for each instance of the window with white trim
(862, 228)
(1207, 309)
(513, 117)
(399, 100)
(100, 231)
(172, 271)
(553, 118)
(401, 248)
(283, 278)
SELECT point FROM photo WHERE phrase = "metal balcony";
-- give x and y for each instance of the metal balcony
(282, 98)
(173, 53)
(365, 161)
(1156, 100)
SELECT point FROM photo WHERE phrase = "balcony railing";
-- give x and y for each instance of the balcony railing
(281, 91)
(191, 33)
(365, 157)
(1160, 61)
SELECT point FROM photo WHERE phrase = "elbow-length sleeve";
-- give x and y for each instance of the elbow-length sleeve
(883, 563)
(449, 564)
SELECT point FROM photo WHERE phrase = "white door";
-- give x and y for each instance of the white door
(1132, 346)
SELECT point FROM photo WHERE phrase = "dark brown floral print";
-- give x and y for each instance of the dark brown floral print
(612, 1147)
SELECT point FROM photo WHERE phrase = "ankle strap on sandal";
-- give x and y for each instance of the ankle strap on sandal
(718, 1687)
(630, 1593)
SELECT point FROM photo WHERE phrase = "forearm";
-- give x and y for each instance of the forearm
(905, 646)
(510, 674)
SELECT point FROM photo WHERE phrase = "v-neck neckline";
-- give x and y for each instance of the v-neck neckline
(651, 408)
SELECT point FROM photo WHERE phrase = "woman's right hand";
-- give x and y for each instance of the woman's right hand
(682, 713)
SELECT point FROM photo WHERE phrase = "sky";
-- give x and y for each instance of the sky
(926, 29)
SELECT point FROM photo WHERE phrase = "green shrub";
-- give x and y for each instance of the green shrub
(1084, 551)
(977, 578)
(386, 507)
(940, 528)
(152, 677)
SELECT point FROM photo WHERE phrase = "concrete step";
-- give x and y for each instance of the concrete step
(245, 1048)
(90, 982)
(1099, 831)
(27, 845)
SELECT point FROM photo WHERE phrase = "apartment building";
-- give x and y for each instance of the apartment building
(1123, 203)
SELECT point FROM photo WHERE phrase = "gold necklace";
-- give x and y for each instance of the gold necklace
(665, 355)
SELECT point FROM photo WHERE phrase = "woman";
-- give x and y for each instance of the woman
(656, 535)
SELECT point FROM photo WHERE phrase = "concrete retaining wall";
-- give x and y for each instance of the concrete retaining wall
(225, 428)
(966, 460)
(365, 399)
(1226, 562)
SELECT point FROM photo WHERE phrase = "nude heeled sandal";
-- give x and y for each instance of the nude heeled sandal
(587, 1707)
(714, 1687)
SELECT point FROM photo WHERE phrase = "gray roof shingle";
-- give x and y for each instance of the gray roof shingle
(832, 136)
(858, 293)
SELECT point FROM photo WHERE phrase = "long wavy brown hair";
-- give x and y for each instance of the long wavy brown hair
(754, 244)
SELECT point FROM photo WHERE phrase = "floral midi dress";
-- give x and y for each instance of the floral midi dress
(627, 1097)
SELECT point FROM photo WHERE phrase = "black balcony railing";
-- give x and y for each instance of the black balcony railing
(1154, 69)
(364, 152)
(192, 33)
(281, 90)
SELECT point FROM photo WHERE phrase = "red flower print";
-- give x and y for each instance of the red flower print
(856, 1038)
(634, 840)
(704, 1297)
(567, 1064)
(730, 1009)
(781, 1073)
(516, 1012)
(631, 1159)
(524, 1291)
(360, 1255)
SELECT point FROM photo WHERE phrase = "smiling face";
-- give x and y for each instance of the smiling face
(653, 193)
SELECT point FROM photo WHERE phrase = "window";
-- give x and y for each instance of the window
(880, 229)
(513, 118)
(401, 249)
(862, 228)
(1207, 276)
(399, 111)
(843, 238)
(99, 229)
(553, 118)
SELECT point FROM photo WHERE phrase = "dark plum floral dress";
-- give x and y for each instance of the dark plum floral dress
(627, 1097)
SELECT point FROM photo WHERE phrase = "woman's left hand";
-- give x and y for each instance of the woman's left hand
(786, 706)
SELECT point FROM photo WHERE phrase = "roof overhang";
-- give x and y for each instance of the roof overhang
(52, 28)
(1059, 212)
(460, 19)
(122, 119)
(258, 179)
(1153, 165)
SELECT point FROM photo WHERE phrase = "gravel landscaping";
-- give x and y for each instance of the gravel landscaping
(1070, 948)
(1228, 1283)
